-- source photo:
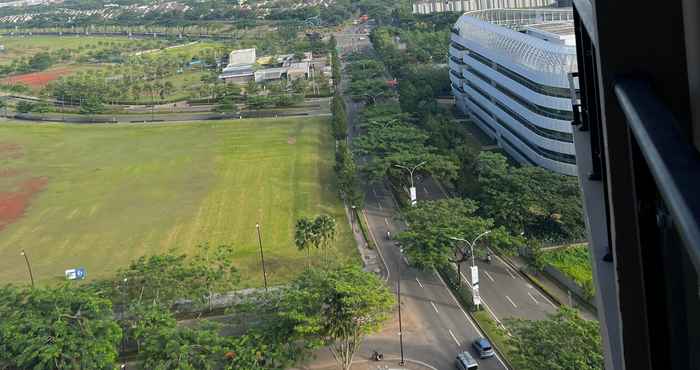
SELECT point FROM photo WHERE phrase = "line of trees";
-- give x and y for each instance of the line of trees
(136, 311)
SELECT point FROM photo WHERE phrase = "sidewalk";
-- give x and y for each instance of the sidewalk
(362, 361)
(371, 260)
(552, 288)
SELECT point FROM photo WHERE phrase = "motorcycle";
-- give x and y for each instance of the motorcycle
(377, 356)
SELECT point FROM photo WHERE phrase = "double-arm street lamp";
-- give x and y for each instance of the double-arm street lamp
(474, 269)
(410, 170)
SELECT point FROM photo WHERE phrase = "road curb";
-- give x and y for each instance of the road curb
(378, 248)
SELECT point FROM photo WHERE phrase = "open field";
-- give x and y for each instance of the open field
(16, 47)
(101, 195)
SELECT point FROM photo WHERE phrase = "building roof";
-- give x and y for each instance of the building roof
(558, 28)
(531, 52)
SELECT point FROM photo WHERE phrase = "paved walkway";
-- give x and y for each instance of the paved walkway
(370, 258)
(363, 361)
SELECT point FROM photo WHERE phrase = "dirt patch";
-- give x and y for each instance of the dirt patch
(10, 151)
(37, 79)
(291, 140)
(13, 204)
(7, 173)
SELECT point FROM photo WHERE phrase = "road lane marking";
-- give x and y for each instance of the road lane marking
(434, 307)
(489, 275)
(546, 299)
(469, 319)
(380, 205)
(386, 221)
(425, 190)
(406, 260)
(510, 273)
(418, 281)
(511, 302)
(533, 297)
(453, 337)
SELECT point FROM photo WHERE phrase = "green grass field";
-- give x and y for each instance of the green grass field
(115, 192)
(16, 47)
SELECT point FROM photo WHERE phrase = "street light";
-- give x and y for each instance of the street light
(262, 256)
(410, 171)
(398, 295)
(29, 267)
(474, 269)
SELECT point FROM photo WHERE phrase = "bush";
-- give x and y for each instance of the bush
(574, 262)
(462, 292)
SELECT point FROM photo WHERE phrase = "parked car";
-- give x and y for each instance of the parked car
(483, 347)
(465, 361)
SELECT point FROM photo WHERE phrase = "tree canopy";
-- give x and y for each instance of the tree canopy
(56, 328)
(564, 341)
(427, 242)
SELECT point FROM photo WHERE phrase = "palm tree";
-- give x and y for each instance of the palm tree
(303, 235)
(324, 229)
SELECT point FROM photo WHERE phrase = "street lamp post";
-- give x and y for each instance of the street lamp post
(474, 269)
(410, 171)
(398, 295)
(262, 256)
(29, 267)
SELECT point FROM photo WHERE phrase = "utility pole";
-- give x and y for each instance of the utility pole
(410, 170)
(398, 295)
(262, 256)
(474, 269)
(29, 267)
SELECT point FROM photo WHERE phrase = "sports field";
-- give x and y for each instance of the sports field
(99, 196)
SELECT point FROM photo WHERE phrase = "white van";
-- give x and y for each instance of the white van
(465, 361)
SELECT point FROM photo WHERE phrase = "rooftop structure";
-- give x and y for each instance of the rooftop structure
(242, 57)
(433, 6)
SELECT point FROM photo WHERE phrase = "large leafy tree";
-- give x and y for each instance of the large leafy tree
(336, 308)
(564, 341)
(56, 328)
(529, 200)
(427, 241)
(389, 142)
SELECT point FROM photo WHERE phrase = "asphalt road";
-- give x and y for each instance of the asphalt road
(435, 326)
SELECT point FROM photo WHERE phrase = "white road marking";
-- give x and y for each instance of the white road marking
(511, 302)
(469, 319)
(434, 307)
(488, 275)
(406, 260)
(510, 273)
(418, 281)
(546, 299)
(455, 338)
(380, 205)
(425, 190)
(533, 297)
(386, 221)
(374, 191)
(465, 280)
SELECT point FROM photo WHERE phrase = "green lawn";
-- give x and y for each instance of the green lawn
(27, 46)
(574, 262)
(116, 192)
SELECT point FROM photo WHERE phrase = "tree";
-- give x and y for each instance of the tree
(303, 236)
(216, 270)
(427, 242)
(564, 341)
(92, 105)
(56, 328)
(324, 227)
(337, 308)
(40, 61)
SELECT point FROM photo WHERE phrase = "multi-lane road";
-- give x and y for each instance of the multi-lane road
(435, 326)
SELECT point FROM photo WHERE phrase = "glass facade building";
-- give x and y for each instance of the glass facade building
(513, 81)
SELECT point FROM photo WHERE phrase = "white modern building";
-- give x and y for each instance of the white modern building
(439, 6)
(513, 81)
